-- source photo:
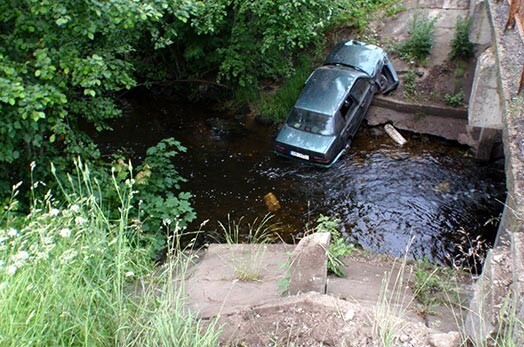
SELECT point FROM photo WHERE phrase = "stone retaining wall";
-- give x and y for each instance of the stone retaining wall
(504, 280)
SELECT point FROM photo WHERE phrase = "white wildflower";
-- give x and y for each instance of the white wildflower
(166, 221)
(21, 256)
(68, 255)
(12, 232)
(46, 240)
(54, 212)
(65, 232)
(75, 208)
(16, 186)
(130, 274)
(79, 220)
(11, 270)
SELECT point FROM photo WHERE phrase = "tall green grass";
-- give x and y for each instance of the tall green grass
(69, 275)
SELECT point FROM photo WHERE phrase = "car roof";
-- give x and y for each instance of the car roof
(355, 54)
(325, 89)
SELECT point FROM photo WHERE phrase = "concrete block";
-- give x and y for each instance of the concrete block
(485, 108)
(480, 32)
(308, 268)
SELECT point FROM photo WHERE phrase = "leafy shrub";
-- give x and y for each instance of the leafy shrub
(420, 42)
(338, 246)
(70, 272)
(455, 100)
(157, 188)
(461, 47)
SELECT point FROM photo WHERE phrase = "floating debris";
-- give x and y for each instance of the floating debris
(271, 202)
(394, 134)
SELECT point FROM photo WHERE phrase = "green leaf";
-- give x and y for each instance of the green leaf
(90, 92)
(62, 21)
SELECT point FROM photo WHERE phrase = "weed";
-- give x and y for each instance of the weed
(471, 252)
(455, 100)
(392, 11)
(392, 306)
(410, 84)
(461, 47)
(435, 285)
(420, 42)
(247, 262)
(283, 284)
(67, 273)
(370, 36)
(338, 247)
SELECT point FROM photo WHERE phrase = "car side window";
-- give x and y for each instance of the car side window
(346, 105)
(339, 122)
(359, 89)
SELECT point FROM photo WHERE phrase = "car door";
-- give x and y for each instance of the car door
(362, 93)
(348, 112)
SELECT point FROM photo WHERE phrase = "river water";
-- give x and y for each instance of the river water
(430, 193)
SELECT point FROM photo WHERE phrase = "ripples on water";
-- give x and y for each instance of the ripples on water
(385, 195)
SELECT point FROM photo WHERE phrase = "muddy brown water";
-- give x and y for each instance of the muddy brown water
(427, 191)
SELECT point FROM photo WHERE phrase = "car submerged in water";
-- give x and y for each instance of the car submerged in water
(333, 103)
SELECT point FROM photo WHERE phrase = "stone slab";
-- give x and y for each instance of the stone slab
(449, 128)
(214, 287)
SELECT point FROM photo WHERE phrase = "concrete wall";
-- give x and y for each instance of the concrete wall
(502, 280)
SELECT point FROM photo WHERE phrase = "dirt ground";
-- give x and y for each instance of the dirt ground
(243, 287)
(440, 75)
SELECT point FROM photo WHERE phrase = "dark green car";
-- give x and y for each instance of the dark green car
(333, 103)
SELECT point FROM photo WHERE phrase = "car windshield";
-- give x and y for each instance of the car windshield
(311, 122)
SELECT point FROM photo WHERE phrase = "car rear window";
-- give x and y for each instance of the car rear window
(311, 122)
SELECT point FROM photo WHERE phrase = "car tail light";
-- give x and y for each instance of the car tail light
(280, 148)
(320, 160)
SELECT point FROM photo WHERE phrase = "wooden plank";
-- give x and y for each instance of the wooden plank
(519, 16)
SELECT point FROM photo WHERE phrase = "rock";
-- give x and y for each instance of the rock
(308, 269)
(350, 314)
(404, 338)
(451, 339)
(376, 131)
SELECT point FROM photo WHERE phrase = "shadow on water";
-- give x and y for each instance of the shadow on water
(384, 195)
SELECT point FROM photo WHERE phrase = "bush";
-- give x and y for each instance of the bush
(461, 47)
(69, 273)
(455, 100)
(338, 246)
(420, 42)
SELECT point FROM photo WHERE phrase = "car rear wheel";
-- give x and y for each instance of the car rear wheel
(383, 83)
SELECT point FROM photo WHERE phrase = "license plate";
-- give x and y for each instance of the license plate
(299, 155)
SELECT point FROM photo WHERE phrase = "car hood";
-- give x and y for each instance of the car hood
(304, 140)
